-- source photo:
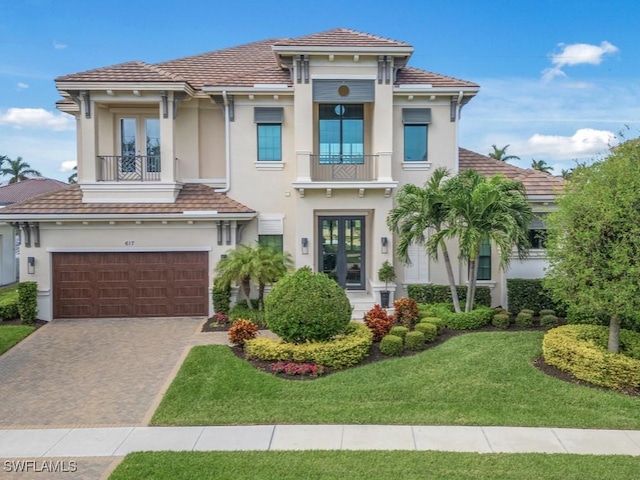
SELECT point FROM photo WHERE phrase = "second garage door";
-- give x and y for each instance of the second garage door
(136, 284)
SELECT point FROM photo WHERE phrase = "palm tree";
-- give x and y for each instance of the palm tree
(19, 170)
(271, 266)
(501, 154)
(73, 178)
(566, 174)
(238, 266)
(480, 210)
(417, 210)
(541, 166)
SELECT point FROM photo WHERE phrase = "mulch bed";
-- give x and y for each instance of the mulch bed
(36, 324)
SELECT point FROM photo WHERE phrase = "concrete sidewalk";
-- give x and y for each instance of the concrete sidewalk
(117, 442)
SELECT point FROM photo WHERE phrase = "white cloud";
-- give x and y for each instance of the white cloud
(577, 54)
(22, 86)
(36, 118)
(59, 46)
(585, 142)
(68, 166)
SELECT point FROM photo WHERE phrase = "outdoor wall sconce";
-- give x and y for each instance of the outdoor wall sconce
(305, 246)
(31, 265)
(384, 241)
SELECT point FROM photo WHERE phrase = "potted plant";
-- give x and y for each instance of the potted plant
(386, 274)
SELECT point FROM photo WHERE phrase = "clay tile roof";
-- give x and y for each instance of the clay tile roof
(341, 37)
(124, 72)
(20, 191)
(535, 182)
(68, 201)
(412, 75)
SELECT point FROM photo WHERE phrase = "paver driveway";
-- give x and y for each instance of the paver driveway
(91, 372)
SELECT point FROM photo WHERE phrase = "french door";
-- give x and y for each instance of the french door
(342, 250)
(140, 144)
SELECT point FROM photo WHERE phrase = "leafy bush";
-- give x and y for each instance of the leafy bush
(379, 322)
(344, 350)
(546, 311)
(241, 331)
(438, 322)
(414, 341)
(528, 310)
(477, 318)
(9, 306)
(501, 320)
(578, 315)
(629, 340)
(429, 330)
(572, 349)
(240, 310)
(28, 301)
(307, 306)
(528, 293)
(391, 345)
(298, 368)
(406, 311)
(399, 331)
(221, 297)
(548, 321)
(219, 318)
(442, 294)
(524, 319)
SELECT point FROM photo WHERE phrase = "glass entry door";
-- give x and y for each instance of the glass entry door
(342, 250)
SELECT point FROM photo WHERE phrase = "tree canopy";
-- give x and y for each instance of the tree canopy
(18, 170)
(541, 166)
(501, 154)
(594, 239)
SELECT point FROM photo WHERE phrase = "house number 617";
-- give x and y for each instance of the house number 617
(129, 243)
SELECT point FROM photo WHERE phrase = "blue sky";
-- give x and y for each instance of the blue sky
(558, 78)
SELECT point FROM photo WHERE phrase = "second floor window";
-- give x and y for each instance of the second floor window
(341, 133)
(140, 144)
(416, 133)
(269, 142)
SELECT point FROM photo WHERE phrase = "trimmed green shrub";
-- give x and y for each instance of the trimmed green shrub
(442, 294)
(528, 293)
(306, 306)
(344, 350)
(240, 310)
(477, 318)
(429, 330)
(391, 345)
(399, 331)
(28, 301)
(501, 320)
(524, 319)
(438, 322)
(629, 340)
(572, 349)
(546, 311)
(528, 310)
(221, 297)
(548, 321)
(9, 307)
(406, 311)
(414, 341)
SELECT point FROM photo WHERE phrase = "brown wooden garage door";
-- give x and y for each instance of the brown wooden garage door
(140, 284)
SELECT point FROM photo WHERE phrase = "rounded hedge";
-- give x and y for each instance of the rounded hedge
(414, 340)
(399, 331)
(430, 330)
(438, 322)
(306, 306)
(501, 320)
(391, 345)
(548, 321)
(524, 319)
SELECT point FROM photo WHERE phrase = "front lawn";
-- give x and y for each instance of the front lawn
(473, 379)
(12, 334)
(375, 465)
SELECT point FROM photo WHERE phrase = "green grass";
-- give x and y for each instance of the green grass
(12, 334)
(376, 465)
(472, 379)
(9, 292)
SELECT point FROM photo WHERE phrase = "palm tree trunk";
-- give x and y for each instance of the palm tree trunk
(614, 334)
(246, 288)
(452, 280)
(261, 287)
(471, 289)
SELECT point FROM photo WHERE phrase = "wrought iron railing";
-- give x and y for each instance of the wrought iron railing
(128, 168)
(343, 168)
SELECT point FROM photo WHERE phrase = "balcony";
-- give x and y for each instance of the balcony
(128, 168)
(343, 168)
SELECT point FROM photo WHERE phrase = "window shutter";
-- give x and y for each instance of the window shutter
(268, 114)
(357, 91)
(418, 271)
(416, 116)
(271, 224)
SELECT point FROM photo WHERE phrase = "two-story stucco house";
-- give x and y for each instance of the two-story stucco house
(298, 143)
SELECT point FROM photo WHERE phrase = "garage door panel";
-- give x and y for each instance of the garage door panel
(130, 284)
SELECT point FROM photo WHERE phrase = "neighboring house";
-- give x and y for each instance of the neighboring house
(298, 143)
(10, 194)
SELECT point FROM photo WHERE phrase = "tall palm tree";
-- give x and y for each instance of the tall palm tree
(238, 266)
(480, 210)
(501, 154)
(417, 210)
(271, 266)
(73, 178)
(566, 174)
(19, 170)
(541, 166)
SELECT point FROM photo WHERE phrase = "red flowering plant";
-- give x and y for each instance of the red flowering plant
(406, 311)
(241, 331)
(219, 319)
(296, 368)
(379, 322)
